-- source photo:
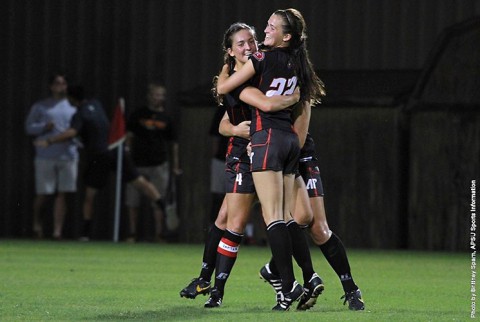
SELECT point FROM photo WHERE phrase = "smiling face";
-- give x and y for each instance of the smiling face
(243, 45)
(274, 36)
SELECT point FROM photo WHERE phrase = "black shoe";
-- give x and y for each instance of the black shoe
(197, 286)
(274, 280)
(215, 299)
(287, 299)
(354, 299)
(313, 289)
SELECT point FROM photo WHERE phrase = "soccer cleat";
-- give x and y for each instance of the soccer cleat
(197, 286)
(274, 280)
(313, 289)
(354, 299)
(215, 299)
(287, 299)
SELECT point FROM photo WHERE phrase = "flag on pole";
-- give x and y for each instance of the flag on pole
(116, 137)
(117, 132)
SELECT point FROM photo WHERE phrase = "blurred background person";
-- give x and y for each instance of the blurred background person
(217, 165)
(152, 141)
(56, 166)
(91, 124)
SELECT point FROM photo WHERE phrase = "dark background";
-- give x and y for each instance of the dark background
(398, 134)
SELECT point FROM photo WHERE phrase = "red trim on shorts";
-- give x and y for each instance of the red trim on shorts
(265, 157)
(230, 145)
(258, 124)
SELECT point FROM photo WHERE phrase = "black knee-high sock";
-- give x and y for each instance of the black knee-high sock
(226, 256)
(210, 252)
(335, 253)
(281, 247)
(301, 250)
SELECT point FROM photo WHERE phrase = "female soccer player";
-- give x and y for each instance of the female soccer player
(227, 232)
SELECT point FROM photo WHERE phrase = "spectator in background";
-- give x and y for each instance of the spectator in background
(152, 140)
(56, 167)
(91, 123)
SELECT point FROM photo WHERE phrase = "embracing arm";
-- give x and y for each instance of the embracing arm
(254, 97)
(64, 136)
(226, 84)
(226, 128)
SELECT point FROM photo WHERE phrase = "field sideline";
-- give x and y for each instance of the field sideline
(103, 281)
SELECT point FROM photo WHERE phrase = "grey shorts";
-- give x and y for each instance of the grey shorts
(55, 176)
(157, 175)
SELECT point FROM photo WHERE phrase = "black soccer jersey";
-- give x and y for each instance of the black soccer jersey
(238, 112)
(274, 75)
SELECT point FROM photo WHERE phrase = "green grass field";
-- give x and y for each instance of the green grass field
(97, 281)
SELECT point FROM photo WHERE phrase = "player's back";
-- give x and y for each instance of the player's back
(274, 75)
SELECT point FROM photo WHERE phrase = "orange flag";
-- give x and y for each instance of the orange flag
(117, 132)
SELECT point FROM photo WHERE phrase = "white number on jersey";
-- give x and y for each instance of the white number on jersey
(278, 86)
(239, 179)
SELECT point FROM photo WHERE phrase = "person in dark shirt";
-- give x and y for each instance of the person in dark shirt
(90, 123)
(152, 140)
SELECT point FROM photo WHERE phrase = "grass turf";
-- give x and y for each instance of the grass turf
(97, 281)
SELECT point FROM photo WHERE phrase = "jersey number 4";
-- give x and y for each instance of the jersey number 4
(279, 85)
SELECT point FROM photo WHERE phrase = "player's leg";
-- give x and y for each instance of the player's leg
(335, 253)
(201, 284)
(313, 284)
(270, 188)
(239, 205)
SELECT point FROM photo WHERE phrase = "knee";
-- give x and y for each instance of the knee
(320, 234)
(303, 218)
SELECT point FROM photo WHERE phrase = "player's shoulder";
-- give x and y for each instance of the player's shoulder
(259, 55)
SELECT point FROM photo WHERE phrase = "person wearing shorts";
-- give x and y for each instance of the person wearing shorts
(55, 167)
(152, 142)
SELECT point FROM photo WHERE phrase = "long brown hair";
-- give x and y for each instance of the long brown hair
(311, 86)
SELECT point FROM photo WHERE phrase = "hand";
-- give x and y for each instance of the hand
(225, 69)
(296, 94)
(49, 126)
(41, 143)
(243, 129)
